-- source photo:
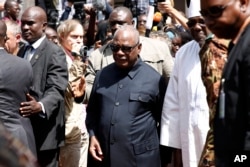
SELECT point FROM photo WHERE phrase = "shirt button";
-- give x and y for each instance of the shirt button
(120, 86)
(112, 141)
(117, 103)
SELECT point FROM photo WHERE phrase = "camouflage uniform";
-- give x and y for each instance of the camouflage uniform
(213, 57)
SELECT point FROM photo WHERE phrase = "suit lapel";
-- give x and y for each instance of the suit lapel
(39, 52)
(230, 63)
(35, 57)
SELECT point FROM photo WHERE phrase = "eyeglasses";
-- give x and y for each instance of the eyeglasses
(214, 11)
(124, 49)
(192, 22)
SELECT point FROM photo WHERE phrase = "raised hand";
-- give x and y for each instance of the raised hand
(78, 87)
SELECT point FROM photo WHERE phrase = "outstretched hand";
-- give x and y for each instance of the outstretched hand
(78, 87)
(30, 107)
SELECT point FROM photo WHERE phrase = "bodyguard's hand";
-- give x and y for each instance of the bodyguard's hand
(95, 149)
(78, 87)
(30, 107)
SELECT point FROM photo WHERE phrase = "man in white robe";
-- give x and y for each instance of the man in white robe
(185, 115)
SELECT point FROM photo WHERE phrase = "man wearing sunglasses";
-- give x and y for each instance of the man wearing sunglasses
(155, 53)
(125, 107)
(230, 19)
(185, 115)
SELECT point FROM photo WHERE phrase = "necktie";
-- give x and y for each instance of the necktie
(28, 52)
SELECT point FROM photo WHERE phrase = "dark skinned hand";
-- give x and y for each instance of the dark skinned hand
(95, 149)
(30, 107)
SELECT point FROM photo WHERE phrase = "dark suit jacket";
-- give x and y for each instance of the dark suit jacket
(232, 133)
(15, 82)
(50, 82)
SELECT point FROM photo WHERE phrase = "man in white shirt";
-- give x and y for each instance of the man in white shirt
(185, 115)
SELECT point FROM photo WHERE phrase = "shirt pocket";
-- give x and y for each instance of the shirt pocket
(147, 145)
(139, 102)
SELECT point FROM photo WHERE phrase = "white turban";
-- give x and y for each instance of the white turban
(192, 8)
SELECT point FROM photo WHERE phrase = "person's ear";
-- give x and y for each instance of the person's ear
(18, 38)
(44, 26)
(244, 5)
(8, 10)
(139, 47)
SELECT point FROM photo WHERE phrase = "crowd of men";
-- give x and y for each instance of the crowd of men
(104, 93)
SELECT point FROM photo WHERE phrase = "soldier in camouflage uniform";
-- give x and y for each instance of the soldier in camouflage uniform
(213, 57)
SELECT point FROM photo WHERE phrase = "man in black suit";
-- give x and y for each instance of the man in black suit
(15, 82)
(231, 20)
(46, 106)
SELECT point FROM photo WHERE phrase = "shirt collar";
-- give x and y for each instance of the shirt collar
(132, 73)
(36, 44)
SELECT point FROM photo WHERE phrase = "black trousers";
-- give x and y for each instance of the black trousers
(48, 158)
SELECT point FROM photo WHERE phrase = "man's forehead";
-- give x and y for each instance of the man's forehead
(33, 14)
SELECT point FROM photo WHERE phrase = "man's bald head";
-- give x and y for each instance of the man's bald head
(36, 11)
(33, 23)
(118, 17)
(128, 31)
(9, 3)
(124, 10)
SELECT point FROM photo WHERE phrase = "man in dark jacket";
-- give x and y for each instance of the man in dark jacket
(230, 19)
(45, 106)
(125, 107)
(15, 81)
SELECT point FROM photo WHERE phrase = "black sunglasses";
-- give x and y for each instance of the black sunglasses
(192, 22)
(214, 11)
(125, 49)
